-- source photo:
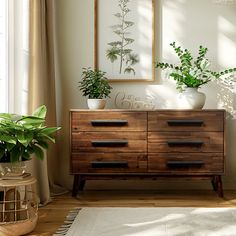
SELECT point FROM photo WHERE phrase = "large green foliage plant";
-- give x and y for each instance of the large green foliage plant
(21, 136)
(191, 73)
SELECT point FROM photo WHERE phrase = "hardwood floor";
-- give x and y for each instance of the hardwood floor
(53, 215)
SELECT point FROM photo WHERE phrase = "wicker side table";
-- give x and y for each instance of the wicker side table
(18, 206)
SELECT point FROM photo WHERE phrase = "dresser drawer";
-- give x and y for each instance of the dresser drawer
(108, 121)
(185, 142)
(186, 121)
(182, 163)
(108, 162)
(109, 142)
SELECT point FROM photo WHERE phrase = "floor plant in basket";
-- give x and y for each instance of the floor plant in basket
(21, 136)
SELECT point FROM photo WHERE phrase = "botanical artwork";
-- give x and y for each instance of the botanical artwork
(120, 50)
(124, 39)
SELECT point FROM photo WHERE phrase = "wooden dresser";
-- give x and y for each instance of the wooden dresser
(124, 144)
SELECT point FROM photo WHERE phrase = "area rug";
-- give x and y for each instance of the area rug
(158, 221)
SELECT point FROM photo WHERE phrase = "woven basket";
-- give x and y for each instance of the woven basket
(18, 206)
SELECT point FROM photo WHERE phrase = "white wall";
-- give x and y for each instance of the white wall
(188, 22)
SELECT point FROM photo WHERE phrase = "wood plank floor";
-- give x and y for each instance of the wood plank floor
(53, 215)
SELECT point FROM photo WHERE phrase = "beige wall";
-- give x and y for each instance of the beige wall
(189, 23)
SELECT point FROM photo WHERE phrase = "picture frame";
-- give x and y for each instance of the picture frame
(124, 39)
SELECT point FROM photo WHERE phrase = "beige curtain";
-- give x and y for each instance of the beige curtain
(42, 86)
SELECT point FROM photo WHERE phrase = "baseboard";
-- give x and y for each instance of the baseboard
(154, 185)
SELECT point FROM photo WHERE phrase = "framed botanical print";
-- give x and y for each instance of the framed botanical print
(124, 39)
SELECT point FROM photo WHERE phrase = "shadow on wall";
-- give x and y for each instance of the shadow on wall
(226, 88)
(226, 98)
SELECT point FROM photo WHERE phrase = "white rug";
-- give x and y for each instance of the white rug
(154, 222)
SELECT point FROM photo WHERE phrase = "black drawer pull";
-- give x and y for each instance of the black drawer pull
(109, 164)
(185, 142)
(185, 122)
(180, 164)
(109, 143)
(108, 122)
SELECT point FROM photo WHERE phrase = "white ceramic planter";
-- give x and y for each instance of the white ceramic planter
(191, 98)
(96, 103)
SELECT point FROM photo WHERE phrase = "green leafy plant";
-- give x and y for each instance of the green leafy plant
(192, 73)
(119, 49)
(94, 84)
(21, 136)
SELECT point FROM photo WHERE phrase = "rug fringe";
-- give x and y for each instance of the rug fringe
(62, 230)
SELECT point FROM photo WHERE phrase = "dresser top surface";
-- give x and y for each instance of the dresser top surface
(140, 110)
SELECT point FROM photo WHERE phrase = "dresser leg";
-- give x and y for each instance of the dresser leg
(214, 183)
(75, 185)
(81, 184)
(219, 186)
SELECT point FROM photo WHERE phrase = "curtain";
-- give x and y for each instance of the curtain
(42, 87)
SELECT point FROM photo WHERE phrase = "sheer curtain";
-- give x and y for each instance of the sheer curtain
(14, 56)
(28, 75)
(3, 56)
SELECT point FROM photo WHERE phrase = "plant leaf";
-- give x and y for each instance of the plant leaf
(38, 152)
(24, 138)
(5, 116)
(9, 146)
(15, 154)
(2, 153)
(8, 138)
(47, 137)
(40, 112)
(43, 144)
(50, 130)
(28, 120)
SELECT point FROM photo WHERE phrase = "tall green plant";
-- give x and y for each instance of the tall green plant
(120, 49)
(191, 73)
(94, 84)
(21, 136)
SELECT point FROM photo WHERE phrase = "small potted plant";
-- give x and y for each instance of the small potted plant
(95, 86)
(22, 136)
(191, 74)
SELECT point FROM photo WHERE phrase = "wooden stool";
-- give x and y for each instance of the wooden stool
(18, 206)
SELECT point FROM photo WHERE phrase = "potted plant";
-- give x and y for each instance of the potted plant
(20, 137)
(191, 74)
(95, 85)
